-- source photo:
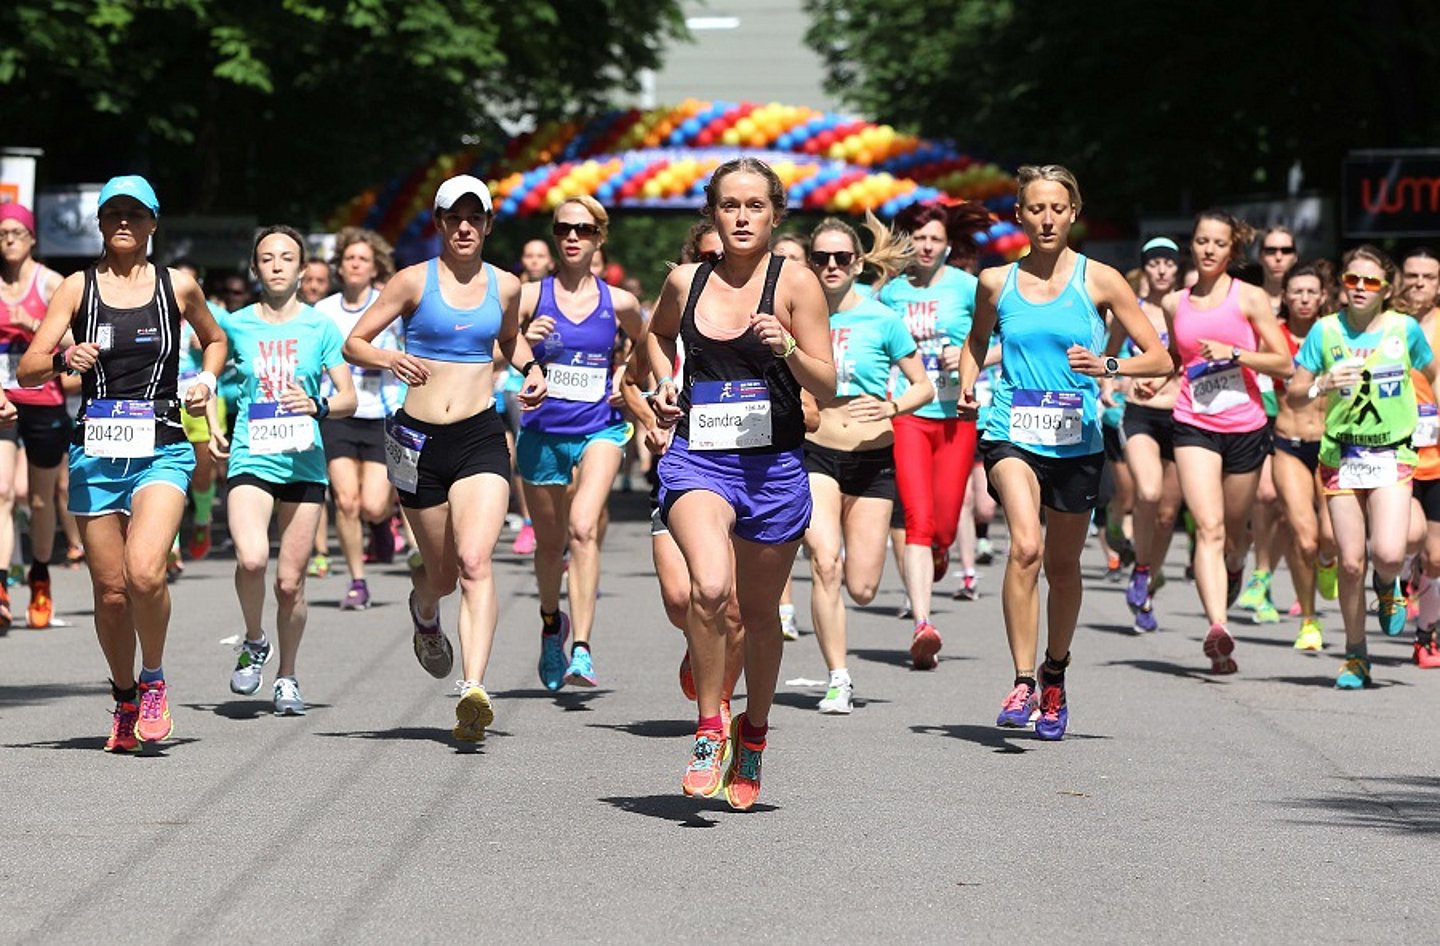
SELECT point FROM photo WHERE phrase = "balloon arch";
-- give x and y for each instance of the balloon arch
(660, 160)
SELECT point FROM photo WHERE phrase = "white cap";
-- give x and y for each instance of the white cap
(460, 185)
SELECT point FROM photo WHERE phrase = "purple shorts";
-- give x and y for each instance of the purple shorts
(770, 492)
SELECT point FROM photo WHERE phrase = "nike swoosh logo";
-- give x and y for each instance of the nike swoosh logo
(460, 328)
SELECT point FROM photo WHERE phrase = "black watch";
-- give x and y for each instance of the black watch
(322, 407)
(1112, 366)
(57, 363)
(525, 371)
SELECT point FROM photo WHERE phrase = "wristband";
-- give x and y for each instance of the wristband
(663, 381)
(322, 407)
(59, 362)
(790, 346)
(532, 363)
(207, 378)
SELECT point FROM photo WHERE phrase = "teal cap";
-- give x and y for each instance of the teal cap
(131, 185)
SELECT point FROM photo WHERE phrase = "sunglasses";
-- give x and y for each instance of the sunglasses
(1278, 250)
(711, 256)
(585, 231)
(842, 258)
(1368, 283)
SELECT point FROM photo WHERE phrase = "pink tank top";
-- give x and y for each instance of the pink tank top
(1216, 395)
(14, 339)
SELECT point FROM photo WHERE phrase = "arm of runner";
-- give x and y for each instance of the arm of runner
(1273, 358)
(977, 345)
(214, 346)
(514, 346)
(399, 298)
(660, 344)
(1111, 290)
(36, 365)
(805, 346)
(219, 444)
(921, 390)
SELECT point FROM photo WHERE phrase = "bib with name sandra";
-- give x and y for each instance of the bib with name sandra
(729, 415)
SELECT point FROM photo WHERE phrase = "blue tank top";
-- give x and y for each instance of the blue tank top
(1039, 404)
(439, 331)
(578, 358)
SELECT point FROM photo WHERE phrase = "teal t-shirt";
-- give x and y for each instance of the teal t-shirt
(1313, 357)
(268, 357)
(936, 316)
(866, 340)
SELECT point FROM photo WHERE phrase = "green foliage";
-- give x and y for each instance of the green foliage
(1151, 104)
(286, 108)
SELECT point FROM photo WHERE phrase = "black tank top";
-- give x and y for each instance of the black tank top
(739, 359)
(139, 354)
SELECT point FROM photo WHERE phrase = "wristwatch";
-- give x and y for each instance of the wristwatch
(1235, 352)
(1112, 366)
(532, 363)
(322, 407)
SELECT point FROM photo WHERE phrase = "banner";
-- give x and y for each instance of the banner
(1392, 194)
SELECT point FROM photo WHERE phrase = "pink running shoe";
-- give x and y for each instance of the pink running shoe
(1219, 645)
(524, 541)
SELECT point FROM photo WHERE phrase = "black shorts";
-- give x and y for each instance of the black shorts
(867, 473)
(1114, 440)
(1154, 422)
(306, 492)
(350, 438)
(1428, 492)
(897, 513)
(45, 430)
(453, 452)
(1306, 451)
(1071, 484)
(1239, 453)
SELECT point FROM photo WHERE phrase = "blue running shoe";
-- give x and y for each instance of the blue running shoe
(1137, 594)
(582, 669)
(1392, 610)
(552, 654)
(1019, 709)
(1145, 622)
(1355, 674)
(1054, 716)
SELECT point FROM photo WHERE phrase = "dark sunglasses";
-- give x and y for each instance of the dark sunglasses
(711, 256)
(1368, 283)
(1281, 250)
(842, 258)
(585, 231)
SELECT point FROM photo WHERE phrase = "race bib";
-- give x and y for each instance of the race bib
(274, 430)
(1046, 418)
(9, 366)
(1368, 467)
(1217, 386)
(947, 385)
(729, 415)
(578, 376)
(402, 455)
(120, 430)
(1427, 427)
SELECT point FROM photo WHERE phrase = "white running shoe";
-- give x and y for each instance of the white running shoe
(250, 668)
(839, 700)
(287, 697)
(788, 630)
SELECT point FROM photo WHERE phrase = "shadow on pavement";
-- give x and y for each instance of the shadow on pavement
(418, 734)
(1404, 804)
(897, 658)
(989, 736)
(652, 728)
(244, 709)
(41, 692)
(568, 700)
(682, 809)
(1124, 630)
(808, 701)
(1169, 669)
(97, 743)
(1325, 682)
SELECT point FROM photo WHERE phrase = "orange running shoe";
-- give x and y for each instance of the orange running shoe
(154, 723)
(6, 618)
(122, 728)
(42, 608)
(742, 778)
(687, 677)
(707, 764)
(1427, 655)
(924, 646)
(200, 542)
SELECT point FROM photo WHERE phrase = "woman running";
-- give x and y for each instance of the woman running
(445, 448)
(1043, 446)
(1361, 360)
(936, 299)
(43, 426)
(282, 348)
(734, 476)
(576, 437)
(1420, 282)
(850, 457)
(1299, 426)
(1222, 332)
(124, 314)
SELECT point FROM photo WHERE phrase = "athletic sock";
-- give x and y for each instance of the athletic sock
(124, 696)
(551, 621)
(1055, 670)
(839, 677)
(982, 530)
(1142, 569)
(39, 571)
(1361, 650)
(1381, 586)
(714, 723)
(204, 503)
(753, 734)
(1028, 680)
(148, 675)
(584, 644)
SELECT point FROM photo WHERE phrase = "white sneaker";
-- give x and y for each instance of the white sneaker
(788, 630)
(839, 700)
(287, 697)
(250, 668)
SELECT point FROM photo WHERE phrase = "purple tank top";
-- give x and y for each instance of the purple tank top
(578, 357)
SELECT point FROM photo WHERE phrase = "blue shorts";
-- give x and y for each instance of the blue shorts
(770, 492)
(99, 485)
(550, 459)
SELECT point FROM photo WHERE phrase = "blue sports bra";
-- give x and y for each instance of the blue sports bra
(439, 331)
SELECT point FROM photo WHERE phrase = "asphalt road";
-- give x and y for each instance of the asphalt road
(1180, 808)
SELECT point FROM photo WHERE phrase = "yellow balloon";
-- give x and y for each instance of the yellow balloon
(730, 136)
(651, 188)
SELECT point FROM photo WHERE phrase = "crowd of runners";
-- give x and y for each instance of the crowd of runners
(857, 392)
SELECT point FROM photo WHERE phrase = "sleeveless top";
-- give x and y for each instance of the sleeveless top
(1219, 396)
(578, 359)
(378, 393)
(736, 391)
(15, 338)
(439, 331)
(1039, 403)
(139, 354)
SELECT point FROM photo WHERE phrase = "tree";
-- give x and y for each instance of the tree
(1153, 105)
(285, 108)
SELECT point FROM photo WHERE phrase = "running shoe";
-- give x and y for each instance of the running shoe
(122, 728)
(74, 556)
(357, 597)
(473, 714)
(524, 543)
(924, 646)
(1113, 571)
(552, 664)
(174, 568)
(1233, 586)
(432, 647)
(1266, 613)
(905, 612)
(1257, 589)
(742, 778)
(1391, 610)
(788, 630)
(199, 542)
(1309, 639)
(1019, 709)
(940, 557)
(287, 697)
(1219, 645)
(984, 552)
(1137, 593)
(581, 672)
(1145, 622)
(6, 618)
(705, 773)
(1295, 610)
(1054, 715)
(967, 590)
(839, 700)
(250, 667)
(42, 608)
(153, 724)
(1354, 673)
(1427, 654)
(687, 677)
(1327, 579)
(319, 566)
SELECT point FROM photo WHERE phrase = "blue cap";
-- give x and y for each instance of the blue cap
(131, 185)
(1162, 247)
